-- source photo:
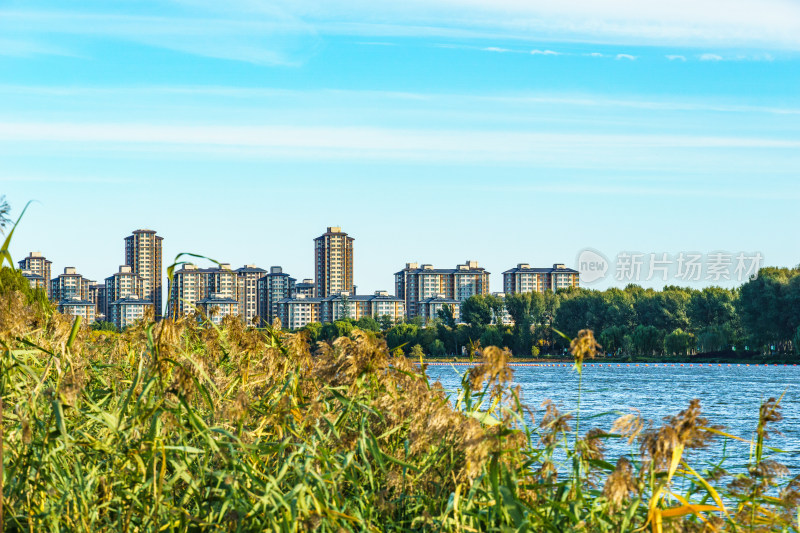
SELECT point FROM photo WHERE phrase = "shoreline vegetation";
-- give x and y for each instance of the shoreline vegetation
(611, 361)
(187, 426)
(758, 322)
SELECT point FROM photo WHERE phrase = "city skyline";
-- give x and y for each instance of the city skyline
(258, 296)
(496, 273)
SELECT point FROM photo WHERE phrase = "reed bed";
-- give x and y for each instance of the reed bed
(186, 426)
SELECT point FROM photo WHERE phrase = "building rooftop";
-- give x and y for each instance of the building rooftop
(132, 300)
(431, 270)
(335, 230)
(527, 269)
(191, 267)
(301, 299)
(250, 268)
(379, 295)
(75, 301)
(215, 299)
(439, 299)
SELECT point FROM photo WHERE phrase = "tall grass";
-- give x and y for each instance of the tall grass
(184, 426)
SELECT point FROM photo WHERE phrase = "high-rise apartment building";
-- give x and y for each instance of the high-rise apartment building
(428, 308)
(247, 290)
(70, 286)
(75, 306)
(36, 281)
(143, 255)
(38, 265)
(299, 311)
(356, 306)
(305, 287)
(333, 262)
(523, 278)
(125, 311)
(123, 284)
(416, 283)
(272, 288)
(217, 306)
(97, 295)
(191, 284)
(505, 317)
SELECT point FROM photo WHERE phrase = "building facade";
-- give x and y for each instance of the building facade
(36, 281)
(247, 279)
(275, 286)
(143, 255)
(38, 265)
(97, 295)
(333, 262)
(524, 278)
(299, 311)
(357, 306)
(429, 307)
(416, 283)
(306, 288)
(123, 284)
(217, 306)
(125, 311)
(505, 317)
(384, 304)
(75, 306)
(191, 284)
(69, 286)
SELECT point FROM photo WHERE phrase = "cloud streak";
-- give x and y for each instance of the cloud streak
(266, 39)
(766, 24)
(287, 32)
(361, 142)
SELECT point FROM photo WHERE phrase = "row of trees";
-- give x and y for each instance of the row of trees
(763, 315)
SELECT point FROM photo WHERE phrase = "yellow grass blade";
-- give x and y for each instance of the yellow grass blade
(688, 509)
(714, 494)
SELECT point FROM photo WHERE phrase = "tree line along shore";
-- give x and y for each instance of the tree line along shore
(758, 321)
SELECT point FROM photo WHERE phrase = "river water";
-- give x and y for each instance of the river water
(729, 395)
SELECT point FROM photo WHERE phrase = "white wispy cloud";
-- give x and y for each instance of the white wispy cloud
(675, 57)
(626, 56)
(545, 53)
(361, 142)
(767, 24)
(63, 178)
(275, 38)
(387, 98)
(284, 32)
(636, 188)
(710, 57)
(23, 47)
(375, 43)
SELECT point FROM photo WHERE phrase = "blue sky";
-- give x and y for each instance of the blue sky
(438, 131)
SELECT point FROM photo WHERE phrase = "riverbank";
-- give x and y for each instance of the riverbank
(713, 360)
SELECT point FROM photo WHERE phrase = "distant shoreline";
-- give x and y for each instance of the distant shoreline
(774, 361)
